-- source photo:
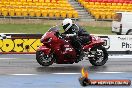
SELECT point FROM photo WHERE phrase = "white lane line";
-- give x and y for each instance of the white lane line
(91, 73)
(66, 73)
(121, 56)
(23, 74)
(7, 58)
(110, 72)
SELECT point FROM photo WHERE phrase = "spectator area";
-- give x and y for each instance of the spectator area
(106, 9)
(37, 8)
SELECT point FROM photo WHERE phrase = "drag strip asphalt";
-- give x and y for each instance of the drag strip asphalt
(23, 71)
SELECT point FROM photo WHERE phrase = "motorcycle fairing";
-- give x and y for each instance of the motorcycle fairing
(95, 41)
(45, 49)
(65, 54)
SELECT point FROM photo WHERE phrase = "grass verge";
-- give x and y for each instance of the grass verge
(40, 28)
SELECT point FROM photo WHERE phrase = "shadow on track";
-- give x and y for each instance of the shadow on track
(67, 69)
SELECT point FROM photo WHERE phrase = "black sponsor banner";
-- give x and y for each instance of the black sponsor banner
(26, 36)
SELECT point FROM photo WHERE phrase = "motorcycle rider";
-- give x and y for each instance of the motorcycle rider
(78, 36)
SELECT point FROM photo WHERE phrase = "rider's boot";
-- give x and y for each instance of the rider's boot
(80, 55)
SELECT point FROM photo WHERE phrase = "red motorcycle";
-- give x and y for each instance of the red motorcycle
(56, 49)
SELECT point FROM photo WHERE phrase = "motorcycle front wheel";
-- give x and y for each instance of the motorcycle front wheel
(100, 56)
(44, 60)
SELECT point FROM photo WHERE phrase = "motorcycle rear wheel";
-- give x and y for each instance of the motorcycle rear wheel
(43, 59)
(100, 54)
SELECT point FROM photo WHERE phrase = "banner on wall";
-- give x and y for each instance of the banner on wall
(118, 43)
(19, 43)
(28, 43)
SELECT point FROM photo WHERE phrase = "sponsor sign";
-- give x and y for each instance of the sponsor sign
(20, 43)
(118, 42)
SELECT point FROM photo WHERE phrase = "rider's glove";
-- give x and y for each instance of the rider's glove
(71, 35)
